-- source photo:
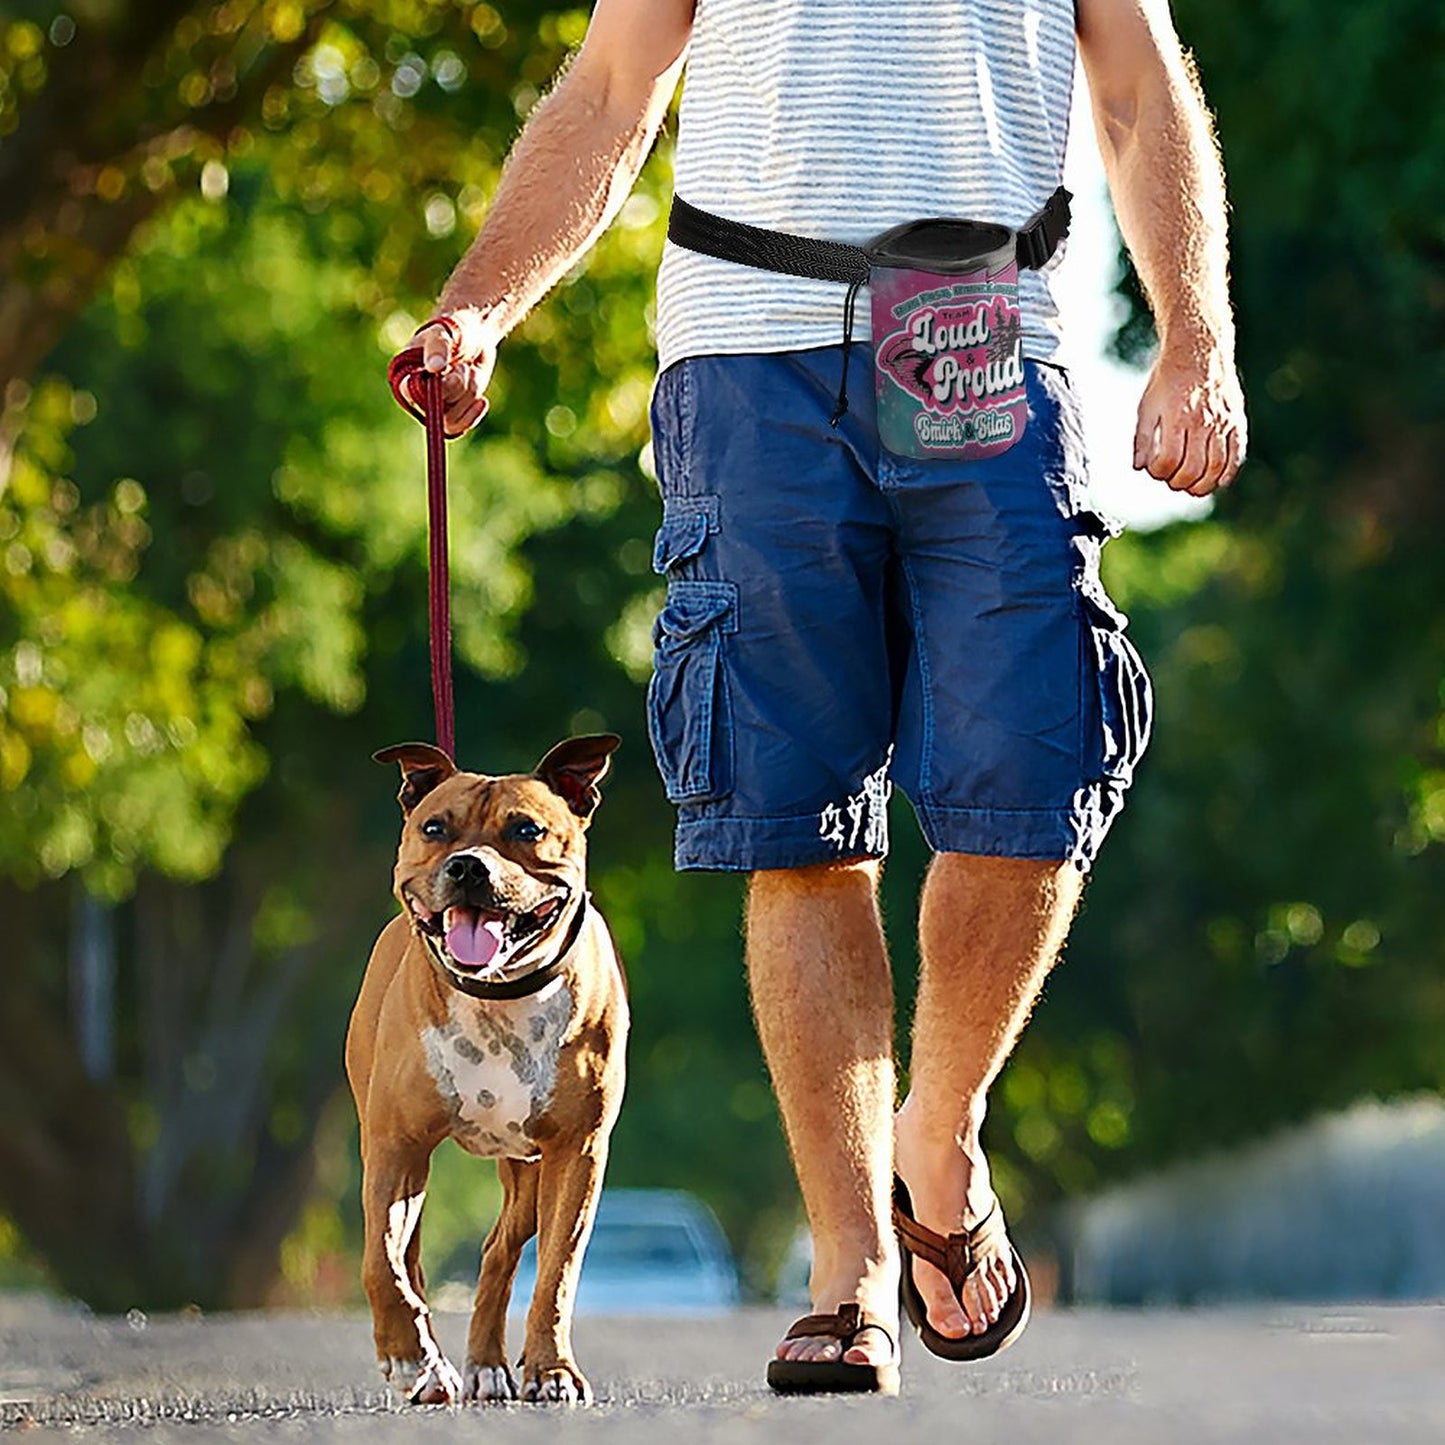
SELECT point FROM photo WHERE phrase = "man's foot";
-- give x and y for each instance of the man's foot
(869, 1288)
(951, 1194)
(960, 1255)
(846, 1350)
(872, 1345)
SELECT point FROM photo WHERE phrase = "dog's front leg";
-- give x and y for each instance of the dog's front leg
(488, 1376)
(568, 1184)
(393, 1190)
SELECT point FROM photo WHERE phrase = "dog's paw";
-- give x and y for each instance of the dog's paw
(557, 1385)
(424, 1382)
(489, 1384)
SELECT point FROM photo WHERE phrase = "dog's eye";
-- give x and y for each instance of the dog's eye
(526, 830)
(435, 829)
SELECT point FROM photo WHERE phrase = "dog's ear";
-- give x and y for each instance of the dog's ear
(574, 768)
(422, 768)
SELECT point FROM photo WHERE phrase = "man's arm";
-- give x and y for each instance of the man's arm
(1167, 186)
(568, 174)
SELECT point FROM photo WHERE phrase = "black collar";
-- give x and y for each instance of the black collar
(511, 988)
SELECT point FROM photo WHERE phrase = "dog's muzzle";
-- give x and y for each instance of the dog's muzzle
(476, 932)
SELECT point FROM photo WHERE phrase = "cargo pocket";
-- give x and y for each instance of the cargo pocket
(1126, 700)
(686, 523)
(689, 715)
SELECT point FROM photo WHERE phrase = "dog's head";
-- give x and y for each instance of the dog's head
(492, 870)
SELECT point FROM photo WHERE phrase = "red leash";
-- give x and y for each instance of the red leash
(405, 366)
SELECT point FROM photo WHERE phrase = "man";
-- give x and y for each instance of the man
(839, 616)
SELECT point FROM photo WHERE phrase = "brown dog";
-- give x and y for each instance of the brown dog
(493, 1010)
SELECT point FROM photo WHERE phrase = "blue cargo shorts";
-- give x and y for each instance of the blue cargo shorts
(839, 619)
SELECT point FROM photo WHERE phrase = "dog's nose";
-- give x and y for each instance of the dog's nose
(466, 870)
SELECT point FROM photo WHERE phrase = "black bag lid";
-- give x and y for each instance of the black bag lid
(946, 247)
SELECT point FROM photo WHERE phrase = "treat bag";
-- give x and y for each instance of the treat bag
(947, 339)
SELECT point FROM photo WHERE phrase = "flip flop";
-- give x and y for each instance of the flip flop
(957, 1256)
(816, 1377)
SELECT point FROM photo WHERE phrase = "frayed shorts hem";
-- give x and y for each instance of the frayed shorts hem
(751, 845)
(1071, 834)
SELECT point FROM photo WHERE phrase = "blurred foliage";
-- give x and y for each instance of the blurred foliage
(124, 728)
(216, 221)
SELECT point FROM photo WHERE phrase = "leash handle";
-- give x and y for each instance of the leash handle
(410, 366)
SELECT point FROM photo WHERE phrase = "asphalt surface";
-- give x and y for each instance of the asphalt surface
(1268, 1374)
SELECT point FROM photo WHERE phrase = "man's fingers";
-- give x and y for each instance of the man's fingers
(1193, 465)
(464, 418)
(1144, 433)
(466, 403)
(1166, 455)
(1217, 443)
(436, 347)
(1234, 457)
(457, 385)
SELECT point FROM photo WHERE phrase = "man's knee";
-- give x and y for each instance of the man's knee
(848, 875)
(1057, 874)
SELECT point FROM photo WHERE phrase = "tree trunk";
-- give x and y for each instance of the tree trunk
(67, 1175)
(92, 984)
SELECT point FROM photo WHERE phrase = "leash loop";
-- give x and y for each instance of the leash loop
(408, 376)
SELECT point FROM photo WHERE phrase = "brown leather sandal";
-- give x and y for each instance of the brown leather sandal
(816, 1377)
(957, 1256)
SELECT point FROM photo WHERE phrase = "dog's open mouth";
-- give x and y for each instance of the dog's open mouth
(474, 940)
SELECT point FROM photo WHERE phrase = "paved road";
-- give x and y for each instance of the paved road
(1267, 1375)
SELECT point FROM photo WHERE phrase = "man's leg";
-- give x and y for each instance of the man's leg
(823, 998)
(989, 931)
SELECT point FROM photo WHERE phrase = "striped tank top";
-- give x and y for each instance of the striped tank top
(840, 118)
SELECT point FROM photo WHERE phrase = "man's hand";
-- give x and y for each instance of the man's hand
(464, 360)
(1192, 429)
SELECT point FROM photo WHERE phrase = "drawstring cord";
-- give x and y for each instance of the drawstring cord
(849, 306)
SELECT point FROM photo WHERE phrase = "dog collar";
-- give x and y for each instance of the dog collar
(511, 988)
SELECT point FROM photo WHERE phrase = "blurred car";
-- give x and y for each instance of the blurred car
(652, 1252)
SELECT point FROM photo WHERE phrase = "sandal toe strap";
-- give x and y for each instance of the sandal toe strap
(848, 1321)
(955, 1255)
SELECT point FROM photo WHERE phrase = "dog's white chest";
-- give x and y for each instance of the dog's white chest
(496, 1066)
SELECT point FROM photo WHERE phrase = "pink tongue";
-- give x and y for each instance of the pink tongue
(473, 939)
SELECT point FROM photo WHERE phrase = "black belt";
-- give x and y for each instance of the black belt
(834, 260)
